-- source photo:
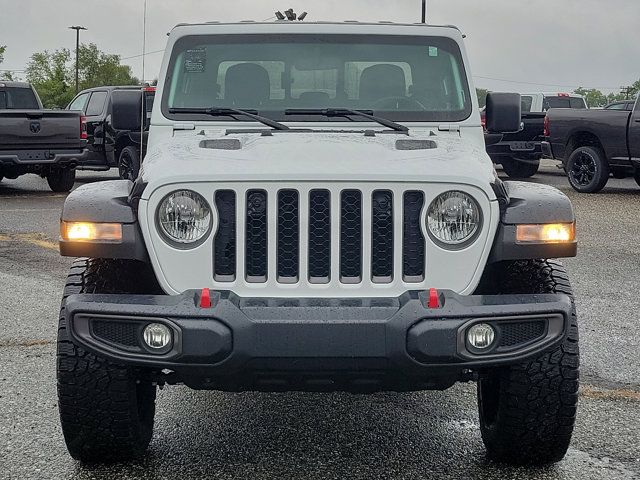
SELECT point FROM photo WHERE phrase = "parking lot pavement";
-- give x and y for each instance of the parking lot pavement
(249, 435)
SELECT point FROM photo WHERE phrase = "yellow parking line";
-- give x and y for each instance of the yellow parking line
(609, 394)
(37, 239)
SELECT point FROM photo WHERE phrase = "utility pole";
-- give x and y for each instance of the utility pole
(424, 11)
(627, 91)
(77, 29)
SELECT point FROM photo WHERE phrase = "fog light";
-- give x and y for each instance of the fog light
(481, 336)
(157, 336)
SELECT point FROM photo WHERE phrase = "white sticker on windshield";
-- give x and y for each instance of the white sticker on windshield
(195, 60)
(433, 51)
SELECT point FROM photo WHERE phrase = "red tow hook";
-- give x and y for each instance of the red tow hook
(434, 298)
(205, 298)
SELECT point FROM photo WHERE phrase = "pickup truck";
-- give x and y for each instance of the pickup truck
(317, 212)
(48, 143)
(113, 126)
(594, 144)
(520, 152)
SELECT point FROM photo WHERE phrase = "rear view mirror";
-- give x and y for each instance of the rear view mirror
(504, 111)
(127, 109)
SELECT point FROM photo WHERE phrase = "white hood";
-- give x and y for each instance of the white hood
(318, 157)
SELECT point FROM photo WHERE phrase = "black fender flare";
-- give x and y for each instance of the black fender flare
(104, 202)
(531, 203)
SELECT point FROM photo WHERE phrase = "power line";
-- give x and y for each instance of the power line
(141, 55)
(537, 84)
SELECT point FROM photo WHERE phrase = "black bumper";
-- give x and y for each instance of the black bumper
(307, 344)
(547, 150)
(36, 157)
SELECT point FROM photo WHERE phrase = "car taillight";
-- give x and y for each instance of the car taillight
(563, 95)
(546, 126)
(83, 128)
(483, 120)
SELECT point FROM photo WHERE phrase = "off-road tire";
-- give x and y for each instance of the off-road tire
(515, 168)
(587, 169)
(61, 180)
(106, 409)
(527, 411)
(129, 163)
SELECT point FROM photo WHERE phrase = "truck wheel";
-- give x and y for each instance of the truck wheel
(515, 168)
(61, 180)
(527, 411)
(129, 163)
(106, 409)
(587, 170)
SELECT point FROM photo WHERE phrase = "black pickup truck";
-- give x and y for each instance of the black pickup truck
(594, 144)
(32, 140)
(520, 152)
(114, 123)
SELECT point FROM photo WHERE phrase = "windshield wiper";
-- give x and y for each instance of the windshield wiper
(230, 112)
(347, 112)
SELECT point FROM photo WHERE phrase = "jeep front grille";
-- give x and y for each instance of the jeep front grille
(320, 236)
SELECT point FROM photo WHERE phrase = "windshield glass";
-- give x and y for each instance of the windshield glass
(400, 78)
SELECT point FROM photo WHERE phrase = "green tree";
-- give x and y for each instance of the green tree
(98, 69)
(53, 73)
(482, 96)
(4, 74)
(593, 96)
(50, 74)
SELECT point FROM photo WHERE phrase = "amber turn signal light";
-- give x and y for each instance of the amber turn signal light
(546, 233)
(91, 232)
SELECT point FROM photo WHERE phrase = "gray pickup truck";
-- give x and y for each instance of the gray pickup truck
(48, 143)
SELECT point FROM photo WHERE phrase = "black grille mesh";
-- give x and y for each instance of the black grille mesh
(413, 244)
(225, 241)
(256, 236)
(382, 235)
(320, 235)
(119, 333)
(351, 235)
(518, 333)
(288, 235)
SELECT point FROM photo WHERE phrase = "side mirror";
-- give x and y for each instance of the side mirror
(504, 112)
(127, 110)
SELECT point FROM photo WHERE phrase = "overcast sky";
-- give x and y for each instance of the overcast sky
(536, 45)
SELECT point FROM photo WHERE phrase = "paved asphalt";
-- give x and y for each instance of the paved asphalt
(332, 436)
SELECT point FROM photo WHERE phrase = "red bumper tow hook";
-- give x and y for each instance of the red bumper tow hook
(434, 298)
(205, 298)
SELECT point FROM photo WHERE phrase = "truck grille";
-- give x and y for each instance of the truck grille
(348, 236)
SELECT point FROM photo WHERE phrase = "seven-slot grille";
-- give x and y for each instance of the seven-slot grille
(319, 236)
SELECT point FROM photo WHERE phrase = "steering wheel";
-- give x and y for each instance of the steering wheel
(394, 103)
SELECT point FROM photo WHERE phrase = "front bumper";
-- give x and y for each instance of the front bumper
(307, 344)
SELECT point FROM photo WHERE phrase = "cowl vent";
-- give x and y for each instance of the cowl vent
(222, 144)
(415, 144)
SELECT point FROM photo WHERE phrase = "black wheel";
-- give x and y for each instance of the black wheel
(587, 170)
(515, 168)
(106, 409)
(129, 163)
(61, 180)
(527, 411)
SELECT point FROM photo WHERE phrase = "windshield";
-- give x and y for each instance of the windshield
(400, 78)
(18, 98)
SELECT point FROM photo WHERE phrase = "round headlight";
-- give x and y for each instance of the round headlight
(453, 219)
(184, 217)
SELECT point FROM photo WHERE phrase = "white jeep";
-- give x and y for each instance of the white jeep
(317, 212)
